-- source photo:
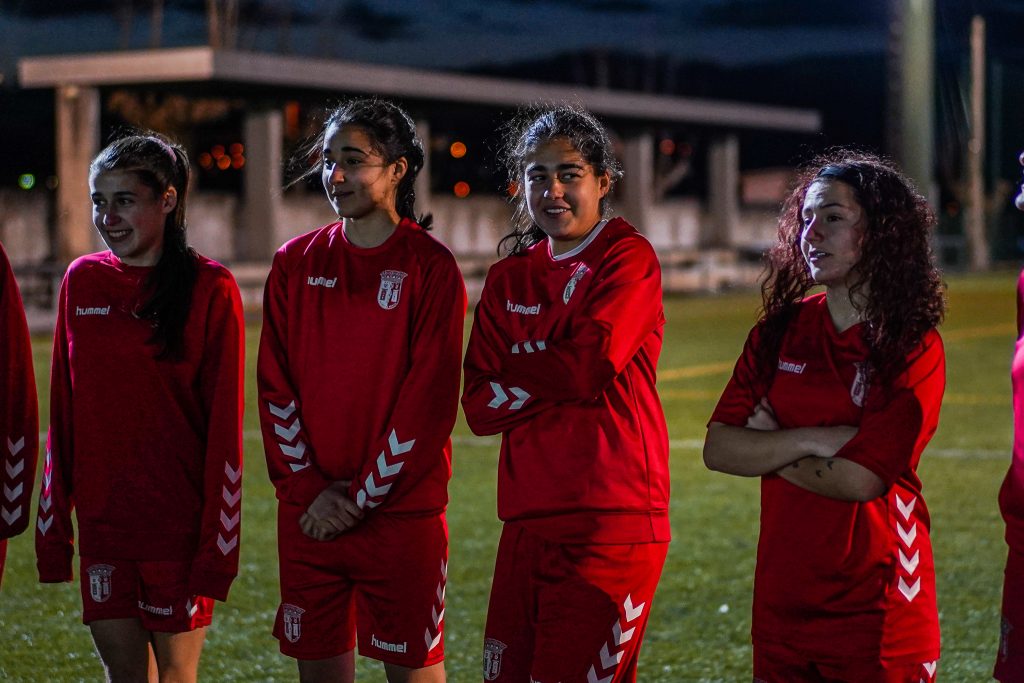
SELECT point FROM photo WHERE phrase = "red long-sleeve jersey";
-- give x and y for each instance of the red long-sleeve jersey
(1011, 494)
(358, 369)
(561, 362)
(19, 412)
(838, 580)
(148, 452)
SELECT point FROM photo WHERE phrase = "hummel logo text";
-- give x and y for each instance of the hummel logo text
(321, 282)
(521, 309)
(388, 647)
(92, 310)
(796, 368)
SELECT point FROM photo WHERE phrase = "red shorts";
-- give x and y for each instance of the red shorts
(154, 592)
(566, 612)
(778, 664)
(384, 582)
(1010, 657)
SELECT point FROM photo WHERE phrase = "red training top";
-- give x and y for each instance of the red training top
(19, 412)
(839, 580)
(1011, 495)
(148, 450)
(359, 369)
(562, 362)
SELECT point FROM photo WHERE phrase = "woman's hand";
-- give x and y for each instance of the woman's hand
(331, 514)
(763, 418)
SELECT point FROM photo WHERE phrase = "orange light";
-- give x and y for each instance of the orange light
(237, 161)
(667, 146)
(205, 160)
(223, 162)
(458, 150)
(217, 151)
(237, 149)
(513, 188)
(461, 189)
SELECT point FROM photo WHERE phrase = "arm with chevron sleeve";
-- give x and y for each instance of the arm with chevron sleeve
(491, 403)
(621, 310)
(421, 422)
(290, 457)
(19, 411)
(55, 536)
(221, 387)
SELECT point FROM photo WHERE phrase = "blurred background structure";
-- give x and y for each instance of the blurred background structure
(713, 103)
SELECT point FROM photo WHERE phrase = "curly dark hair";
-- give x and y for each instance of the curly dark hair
(899, 290)
(527, 132)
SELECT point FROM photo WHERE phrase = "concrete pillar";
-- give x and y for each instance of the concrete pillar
(256, 234)
(78, 136)
(723, 193)
(423, 179)
(637, 195)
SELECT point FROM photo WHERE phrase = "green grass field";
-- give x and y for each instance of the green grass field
(699, 628)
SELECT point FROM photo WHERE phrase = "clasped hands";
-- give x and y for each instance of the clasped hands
(332, 513)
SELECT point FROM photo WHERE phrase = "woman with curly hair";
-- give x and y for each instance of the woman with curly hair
(831, 403)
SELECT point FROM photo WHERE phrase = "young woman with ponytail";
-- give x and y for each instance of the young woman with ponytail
(145, 422)
(358, 390)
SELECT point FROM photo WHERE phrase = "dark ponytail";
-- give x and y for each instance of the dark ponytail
(161, 164)
(392, 133)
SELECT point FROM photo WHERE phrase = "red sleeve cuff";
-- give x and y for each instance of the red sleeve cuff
(53, 569)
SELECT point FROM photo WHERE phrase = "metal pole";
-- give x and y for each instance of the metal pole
(977, 240)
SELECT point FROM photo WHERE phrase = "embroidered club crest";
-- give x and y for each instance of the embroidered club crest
(492, 658)
(574, 279)
(860, 385)
(390, 288)
(99, 582)
(292, 617)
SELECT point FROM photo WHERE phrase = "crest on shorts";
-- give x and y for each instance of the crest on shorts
(99, 582)
(390, 288)
(574, 279)
(860, 385)
(292, 617)
(492, 658)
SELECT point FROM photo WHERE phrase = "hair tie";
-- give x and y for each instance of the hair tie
(848, 174)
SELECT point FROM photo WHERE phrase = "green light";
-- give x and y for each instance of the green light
(26, 181)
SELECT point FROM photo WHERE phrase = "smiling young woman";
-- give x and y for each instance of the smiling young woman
(561, 362)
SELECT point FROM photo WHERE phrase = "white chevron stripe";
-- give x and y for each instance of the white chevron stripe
(192, 609)
(231, 498)
(296, 451)
(230, 522)
(437, 616)
(521, 396)
(12, 516)
(290, 433)
(528, 346)
(542, 345)
(45, 502)
(632, 612)
(442, 589)
(515, 348)
(909, 564)
(592, 677)
(905, 508)
(399, 447)
(232, 474)
(444, 569)
(11, 494)
(385, 469)
(930, 668)
(499, 396)
(372, 489)
(361, 499)
(281, 413)
(15, 446)
(908, 537)
(609, 660)
(296, 466)
(225, 545)
(431, 642)
(620, 636)
(909, 591)
(15, 469)
(44, 526)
